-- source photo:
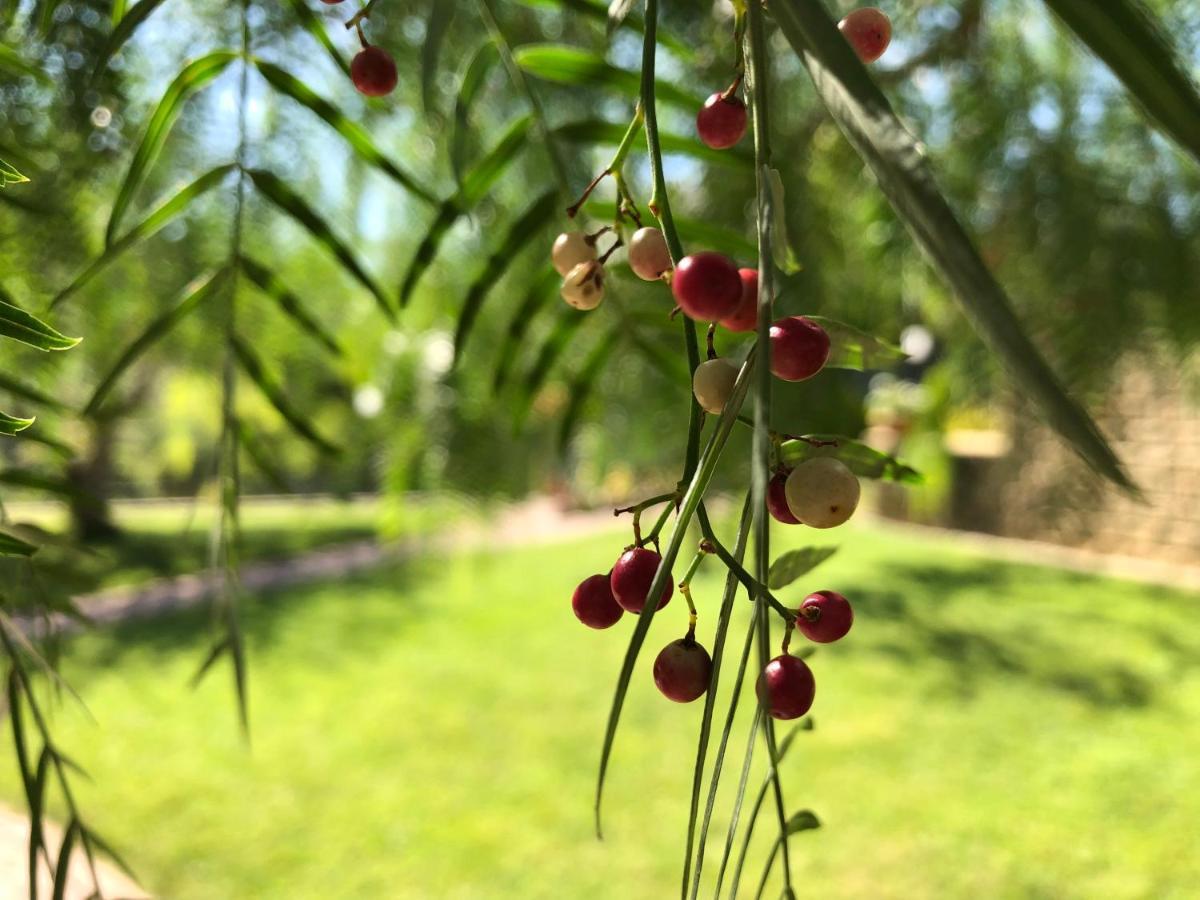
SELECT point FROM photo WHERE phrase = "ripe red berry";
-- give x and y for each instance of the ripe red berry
(594, 603)
(825, 617)
(331, 2)
(373, 72)
(869, 32)
(786, 687)
(777, 504)
(799, 348)
(682, 670)
(631, 577)
(721, 122)
(745, 317)
(707, 286)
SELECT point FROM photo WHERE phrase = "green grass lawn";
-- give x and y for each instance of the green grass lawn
(987, 730)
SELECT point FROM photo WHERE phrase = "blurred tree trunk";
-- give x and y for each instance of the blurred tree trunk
(91, 479)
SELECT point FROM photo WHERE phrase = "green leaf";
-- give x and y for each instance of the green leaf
(19, 325)
(192, 296)
(867, 120)
(851, 348)
(561, 64)
(473, 80)
(314, 26)
(11, 545)
(582, 384)
(262, 460)
(544, 289)
(272, 390)
(781, 246)
(531, 224)
(158, 217)
(270, 284)
(194, 77)
(1133, 44)
(117, 13)
(123, 30)
(791, 565)
(38, 481)
(63, 868)
(25, 392)
(441, 14)
(805, 820)
(9, 175)
(278, 192)
(597, 10)
(11, 425)
(358, 138)
(864, 461)
(475, 185)
(108, 850)
(600, 132)
(569, 322)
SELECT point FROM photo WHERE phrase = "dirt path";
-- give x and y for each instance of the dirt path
(14, 866)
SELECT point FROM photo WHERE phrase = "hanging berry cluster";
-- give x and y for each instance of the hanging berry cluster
(372, 70)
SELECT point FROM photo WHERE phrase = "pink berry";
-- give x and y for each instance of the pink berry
(799, 348)
(825, 617)
(682, 670)
(745, 317)
(786, 687)
(777, 504)
(594, 603)
(631, 577)
(373, 72)
(721, 122)
(869, 32)
(707, 286)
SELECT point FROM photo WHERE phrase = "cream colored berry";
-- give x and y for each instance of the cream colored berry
(570, 249)
(713, 383)
(648, 254)
(583, 288)
(822, 492)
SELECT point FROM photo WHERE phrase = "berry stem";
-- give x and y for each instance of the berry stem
(356, 20)
(614, 168)
(712, 351)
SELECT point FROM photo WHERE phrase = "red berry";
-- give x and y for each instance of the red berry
(682, 670)
(707, 286)
(777, 504)
(869, 32)
(594, 603)
(373, 72)
(799, 348)
(721, 122)
(631, 578)
(331, 2)
(745, 317)
(825, 617)
(786, 687)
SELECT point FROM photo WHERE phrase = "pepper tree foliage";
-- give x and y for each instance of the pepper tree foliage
(236, 286)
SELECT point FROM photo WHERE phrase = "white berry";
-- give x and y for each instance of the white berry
(570, 249)
(713, 383)
(648, 254)
(821, 492)
(583, 288)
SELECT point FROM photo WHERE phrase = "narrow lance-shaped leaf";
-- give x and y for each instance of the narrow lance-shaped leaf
(473, 80)
(63, 868)
(12, 62)
(781, 246)
(259, 455)
(271, 285)
(19, 325)
(11, 425)
(562, 64)
(9, 175)
(278, 192)
(1126, 36)
(40, 481)
(531, 224)
(867, 120)
(851, 348)
(271, 389)
(314, 26)
(159, 217)
(544, 289)
(864, 461)
(357, 137)
(581, 386)
(117, 13)
(124, 27)
(193, 295)
(11, 545)
(26, 392)
(475, 184)
(805, 820)
(600, 131)
(552, 348)
(436, 25)
(791, 565)
(194, 76)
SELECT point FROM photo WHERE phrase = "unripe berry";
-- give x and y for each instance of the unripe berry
(373, 71)
(682, 670)
(713, 383)
(869, 32)
(799, 348)
(825, 617)
(570, 249)
(745, 317)
(707, 286)
(786, 687)
(721, 122)
(583, 288)
(594, 603)
(777, 504)
(648, 254)
(631, 577)
(822, 492)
